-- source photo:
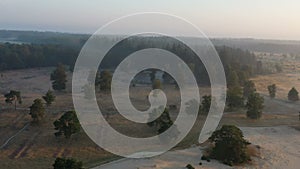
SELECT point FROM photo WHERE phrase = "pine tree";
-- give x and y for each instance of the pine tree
(67, 125)
(104, 81)
(230, 145)
(293, 95)
(37, 110)
(249, 87)
(49, 98)
(272, 90)
(234, 98)
(59, 78)
(255, 104)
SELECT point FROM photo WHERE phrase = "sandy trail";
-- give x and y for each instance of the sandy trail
(280, 149)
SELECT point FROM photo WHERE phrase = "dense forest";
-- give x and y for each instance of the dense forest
(20, 56)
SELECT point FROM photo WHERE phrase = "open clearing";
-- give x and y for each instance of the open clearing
(36, 147)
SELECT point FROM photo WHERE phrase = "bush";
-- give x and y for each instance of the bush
(230, 146)
(189, 166)
(293, 95)
(62, 163)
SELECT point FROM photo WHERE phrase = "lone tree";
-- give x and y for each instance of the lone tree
(67, 125)
(163, 122)
(63, 163)
(205, 104)
(49, 98)
(59, 78)
(272, 90)
(230, 145)
(156, 84)
(13, 96)
(37, 110)
(234, 98)
(255, 104)
(249, 87)
(104, 81)
(293, 95)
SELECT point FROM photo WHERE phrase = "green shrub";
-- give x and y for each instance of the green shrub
(230, 146)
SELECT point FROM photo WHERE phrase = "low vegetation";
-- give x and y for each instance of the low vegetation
(70, 163)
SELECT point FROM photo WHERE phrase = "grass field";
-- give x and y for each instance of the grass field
(36, 147)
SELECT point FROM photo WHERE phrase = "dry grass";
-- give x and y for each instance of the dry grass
(36, 147)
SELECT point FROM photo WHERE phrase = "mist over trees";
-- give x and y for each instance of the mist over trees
(239, 65)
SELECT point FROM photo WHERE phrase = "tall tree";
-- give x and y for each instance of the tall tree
(232, 79)
(71, 163)
(67, 125)
(249, 87)
(205, 104)
(293, 95)
(37, 110)
(59, 78)
(272, 90)
(255, 105)
(163, 122)
(105, 80)
(49, 98)
(13, 96)
(156, 84)
(234, 98)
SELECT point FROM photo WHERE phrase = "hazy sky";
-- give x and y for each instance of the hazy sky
(271, 19)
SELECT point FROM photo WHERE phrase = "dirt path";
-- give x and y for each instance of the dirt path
(12, 137)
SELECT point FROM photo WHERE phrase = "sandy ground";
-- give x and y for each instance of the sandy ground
(280, 149)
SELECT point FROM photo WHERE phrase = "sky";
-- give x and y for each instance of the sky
(262, 19)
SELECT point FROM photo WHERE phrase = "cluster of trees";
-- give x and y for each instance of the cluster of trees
(245, 97)
(293, 94)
